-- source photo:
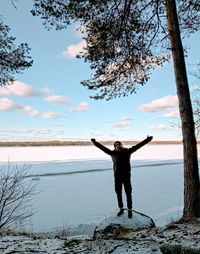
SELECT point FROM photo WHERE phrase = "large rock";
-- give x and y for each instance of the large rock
(122, 227)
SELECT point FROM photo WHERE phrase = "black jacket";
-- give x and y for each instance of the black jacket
(121, 159)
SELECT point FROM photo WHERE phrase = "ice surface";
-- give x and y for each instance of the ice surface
(75, 184)
(67, 153)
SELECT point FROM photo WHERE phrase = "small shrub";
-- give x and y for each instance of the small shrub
(16, 192)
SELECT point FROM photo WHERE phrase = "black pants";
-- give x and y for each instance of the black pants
(128, 190)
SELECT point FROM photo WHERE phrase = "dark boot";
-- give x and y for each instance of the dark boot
(121, 211)
(130, 214)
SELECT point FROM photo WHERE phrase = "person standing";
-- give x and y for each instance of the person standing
(122, 170)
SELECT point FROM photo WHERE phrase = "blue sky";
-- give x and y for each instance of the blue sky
(47, 101)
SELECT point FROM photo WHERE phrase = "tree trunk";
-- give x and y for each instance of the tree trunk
(191, 173)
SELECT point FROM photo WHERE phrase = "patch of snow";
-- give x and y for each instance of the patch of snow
(25, 244)
(146, 241)
(138, 221)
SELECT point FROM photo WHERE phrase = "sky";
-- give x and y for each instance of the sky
(47, 101)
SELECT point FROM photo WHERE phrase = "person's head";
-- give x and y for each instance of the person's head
(118, 145)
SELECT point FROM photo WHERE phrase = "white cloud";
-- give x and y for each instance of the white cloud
(31, 111)
(43, 132)
(74, 49)
(46, 91)
(161, 104)
(124, 122)
(83, 106)
(20, 89)
(9, 105)
(16, 131)
(50, 115)
(161, 127)
(60, 125)
(172, 114)
(23, 131)
(58, 99)
(96, 134)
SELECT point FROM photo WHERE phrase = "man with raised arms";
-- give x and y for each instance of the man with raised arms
(122, 170)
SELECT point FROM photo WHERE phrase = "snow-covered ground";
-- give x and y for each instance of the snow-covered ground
(76, 192)
(186, 238)
(75, 184)
(67, 153)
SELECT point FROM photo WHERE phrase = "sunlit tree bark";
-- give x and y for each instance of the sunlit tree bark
(191, 173)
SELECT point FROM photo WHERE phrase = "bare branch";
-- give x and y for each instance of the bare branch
(16, 192)
(13, 4)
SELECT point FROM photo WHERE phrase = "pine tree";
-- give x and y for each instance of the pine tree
(13, 59)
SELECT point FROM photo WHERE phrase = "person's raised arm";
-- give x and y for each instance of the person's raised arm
(139, 145)
(100, 146)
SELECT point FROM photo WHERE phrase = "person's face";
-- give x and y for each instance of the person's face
(118, 146)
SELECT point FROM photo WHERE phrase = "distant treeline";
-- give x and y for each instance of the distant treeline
(78, 143)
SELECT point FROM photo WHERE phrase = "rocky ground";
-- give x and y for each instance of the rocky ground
(114, 234)
(174, 238)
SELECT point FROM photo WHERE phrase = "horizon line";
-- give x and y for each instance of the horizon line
(80, 142)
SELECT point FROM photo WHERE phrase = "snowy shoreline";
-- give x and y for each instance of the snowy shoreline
(150, 174)
(78, 153)
(181, 237)
(59, 170)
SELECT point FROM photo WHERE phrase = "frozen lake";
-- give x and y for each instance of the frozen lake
(71, 153)
(76, 184)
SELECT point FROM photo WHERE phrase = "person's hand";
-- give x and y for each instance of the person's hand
(149, 137)
(93, 140)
